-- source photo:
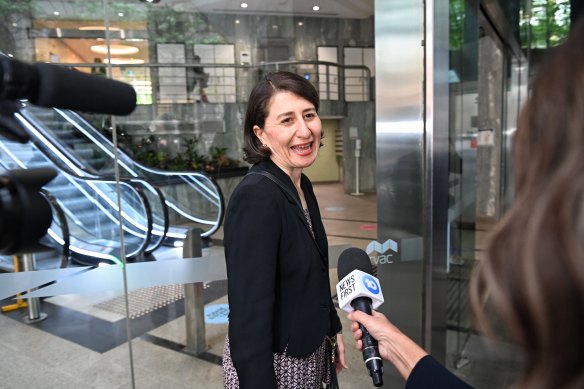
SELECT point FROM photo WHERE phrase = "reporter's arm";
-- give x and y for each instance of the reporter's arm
(429, 373)
(394, 346)
(416, 366)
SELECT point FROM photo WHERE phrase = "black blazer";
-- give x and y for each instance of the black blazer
(277, 276)
(429, 373)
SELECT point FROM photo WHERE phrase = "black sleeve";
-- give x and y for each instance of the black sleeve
(336, 326)
(252, 235)
(429, 373)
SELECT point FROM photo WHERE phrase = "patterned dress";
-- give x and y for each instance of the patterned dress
(291, 373)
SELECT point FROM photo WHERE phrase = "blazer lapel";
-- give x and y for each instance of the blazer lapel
(319, 233)
(284, 181)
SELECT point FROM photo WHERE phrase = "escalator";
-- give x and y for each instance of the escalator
(193, 199)
(87, 224)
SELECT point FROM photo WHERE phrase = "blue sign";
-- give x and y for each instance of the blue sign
(371, 284)
(217, 314)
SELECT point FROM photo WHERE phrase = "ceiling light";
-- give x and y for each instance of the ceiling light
(315, 8)
(243, 5)
(98, 28)
(300, 23)
(56, 13)
(120, 14)
(236, 21)
(120, 61)
(115, 49)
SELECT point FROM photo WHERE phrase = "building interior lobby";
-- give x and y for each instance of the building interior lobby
(419, 102)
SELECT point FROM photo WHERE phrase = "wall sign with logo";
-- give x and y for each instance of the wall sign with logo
(382, 253)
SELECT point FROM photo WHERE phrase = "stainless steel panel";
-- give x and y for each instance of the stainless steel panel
(399, 63)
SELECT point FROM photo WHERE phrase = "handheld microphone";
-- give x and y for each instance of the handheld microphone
(53, 86)
(359, 290)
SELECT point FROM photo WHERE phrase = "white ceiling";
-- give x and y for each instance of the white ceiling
(359, 9)
(351, 9)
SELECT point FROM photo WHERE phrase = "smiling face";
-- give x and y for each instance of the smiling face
(292, 132)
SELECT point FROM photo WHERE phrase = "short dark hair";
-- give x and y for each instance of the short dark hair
(257, 108)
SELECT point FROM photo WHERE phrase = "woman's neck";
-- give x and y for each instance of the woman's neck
(294, 173)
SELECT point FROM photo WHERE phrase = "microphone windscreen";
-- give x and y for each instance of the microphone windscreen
(70, 89)
(353, 259)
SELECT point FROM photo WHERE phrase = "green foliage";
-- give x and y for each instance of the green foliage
(10, 6)
(171, 26)
(456, 18)
(148, 152)
(220, 160)
(193, 160)
(547, 26)
(94, 10)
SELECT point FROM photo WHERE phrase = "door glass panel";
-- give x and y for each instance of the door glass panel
(462, 169)
(484, 100)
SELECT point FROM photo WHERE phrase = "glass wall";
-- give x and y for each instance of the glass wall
(487, 87)
(133, 194)
(113, 300)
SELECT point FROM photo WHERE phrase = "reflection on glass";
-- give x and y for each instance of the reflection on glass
(90, 208)
(193, 199)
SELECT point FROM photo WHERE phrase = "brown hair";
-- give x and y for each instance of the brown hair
(257, 108)
(533, 271)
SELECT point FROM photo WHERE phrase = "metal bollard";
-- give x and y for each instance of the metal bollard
(194, 299)
(34, 307)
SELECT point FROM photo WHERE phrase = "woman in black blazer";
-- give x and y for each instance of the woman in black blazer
(283, 326)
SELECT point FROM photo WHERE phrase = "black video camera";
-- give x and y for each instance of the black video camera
(25, 213)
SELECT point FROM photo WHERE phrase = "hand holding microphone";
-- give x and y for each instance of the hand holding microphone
(359, 290)
(359, 293)
(394, 345)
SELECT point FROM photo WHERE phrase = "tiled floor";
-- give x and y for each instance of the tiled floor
(84, 341)
(82, 346)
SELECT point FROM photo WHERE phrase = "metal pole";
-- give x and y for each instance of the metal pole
(34, 311)
(194, 299)
(357, 156)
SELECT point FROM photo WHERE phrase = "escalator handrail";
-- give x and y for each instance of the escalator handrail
(149, 219)
(113, 182)
(66, 254)
(96, 178)
(166, 225)
(126, 158)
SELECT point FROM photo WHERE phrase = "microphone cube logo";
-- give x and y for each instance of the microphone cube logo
(383, 250)
(358, 284)
(371, 284)
(346, 287)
